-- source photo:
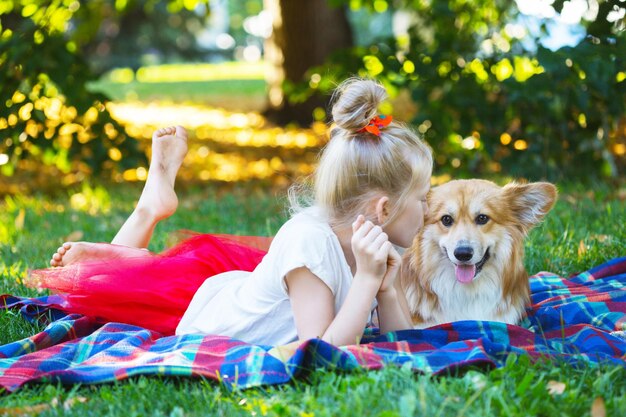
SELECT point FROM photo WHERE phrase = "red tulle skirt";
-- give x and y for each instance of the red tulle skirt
(151, 291)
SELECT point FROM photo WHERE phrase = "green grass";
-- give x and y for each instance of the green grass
(236, 86)
(519, 389)
(33, 227)
(229, 94)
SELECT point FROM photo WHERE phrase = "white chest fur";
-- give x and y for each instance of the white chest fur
(479, 300)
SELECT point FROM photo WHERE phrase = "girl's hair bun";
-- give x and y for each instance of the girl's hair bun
(356, 103)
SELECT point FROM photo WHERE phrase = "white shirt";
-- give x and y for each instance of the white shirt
(254, 306)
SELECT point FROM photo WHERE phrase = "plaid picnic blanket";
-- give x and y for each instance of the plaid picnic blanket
(579, 320)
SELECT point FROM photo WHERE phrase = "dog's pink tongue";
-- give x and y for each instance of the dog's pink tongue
(465, 273)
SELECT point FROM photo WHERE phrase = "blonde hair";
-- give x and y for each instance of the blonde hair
(356, 167)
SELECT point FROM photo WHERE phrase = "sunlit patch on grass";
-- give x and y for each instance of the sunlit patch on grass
(190, 72)
(225, 146)
(241, 129)
(232, 85)
(92, 200)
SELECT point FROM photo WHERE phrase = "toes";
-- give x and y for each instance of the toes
(170, 130)
(57, 258)
(181, 132)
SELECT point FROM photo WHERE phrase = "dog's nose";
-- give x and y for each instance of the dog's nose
(464, 253)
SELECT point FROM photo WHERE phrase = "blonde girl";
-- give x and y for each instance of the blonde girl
(327, 268)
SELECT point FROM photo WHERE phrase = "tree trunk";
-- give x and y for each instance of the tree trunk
(305, 33)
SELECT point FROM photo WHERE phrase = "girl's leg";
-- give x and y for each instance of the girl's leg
(158, 199)
(157, 202)
(73, 252)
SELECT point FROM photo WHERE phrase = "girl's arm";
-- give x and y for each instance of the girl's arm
(313, 302)
(393, 309)
(313, 306)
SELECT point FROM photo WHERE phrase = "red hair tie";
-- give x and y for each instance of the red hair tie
(377, 123)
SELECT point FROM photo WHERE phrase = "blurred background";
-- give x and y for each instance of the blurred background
(529, 88)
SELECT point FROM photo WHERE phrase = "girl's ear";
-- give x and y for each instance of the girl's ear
(382, 209)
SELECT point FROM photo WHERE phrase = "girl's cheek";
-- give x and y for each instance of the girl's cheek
(422, 215)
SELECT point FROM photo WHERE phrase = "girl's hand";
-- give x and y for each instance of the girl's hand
(371, 249)
(393, 267)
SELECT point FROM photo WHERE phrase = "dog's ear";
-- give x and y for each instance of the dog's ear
(529, 203)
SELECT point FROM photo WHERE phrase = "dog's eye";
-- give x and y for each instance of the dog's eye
(447, 220)
(482, 219)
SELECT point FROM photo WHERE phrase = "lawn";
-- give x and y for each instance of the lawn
(585, 229)
(233, 85)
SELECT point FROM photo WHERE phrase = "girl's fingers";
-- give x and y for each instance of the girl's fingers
(361, 229)
(382, 254)
(360, 219)
(393, 258)
(393, 253)
(379, 240)
(383, 251)
(357, 224)
(373, 234)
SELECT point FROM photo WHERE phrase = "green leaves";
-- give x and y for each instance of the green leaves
(489, 104)
(47, 115)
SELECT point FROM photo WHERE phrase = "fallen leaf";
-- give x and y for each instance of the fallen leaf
(26, 410)
(597, 408)
(581, 248)
(19, 220)
(74, 236)
(67, 404)
(555, 387)
(479, 381)
(29, 410)
(571, 199)
(601, 238)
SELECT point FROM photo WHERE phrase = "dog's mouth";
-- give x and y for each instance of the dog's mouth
(466, 273)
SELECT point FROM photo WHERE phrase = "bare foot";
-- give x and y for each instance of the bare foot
(73, 252)
(169, 147)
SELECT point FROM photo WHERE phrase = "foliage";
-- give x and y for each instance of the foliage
(46, 112)
(579, 233)
(113, 34)
(487, 102)
(238, 10)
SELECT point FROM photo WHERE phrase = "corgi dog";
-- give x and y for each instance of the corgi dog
(467, 261)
